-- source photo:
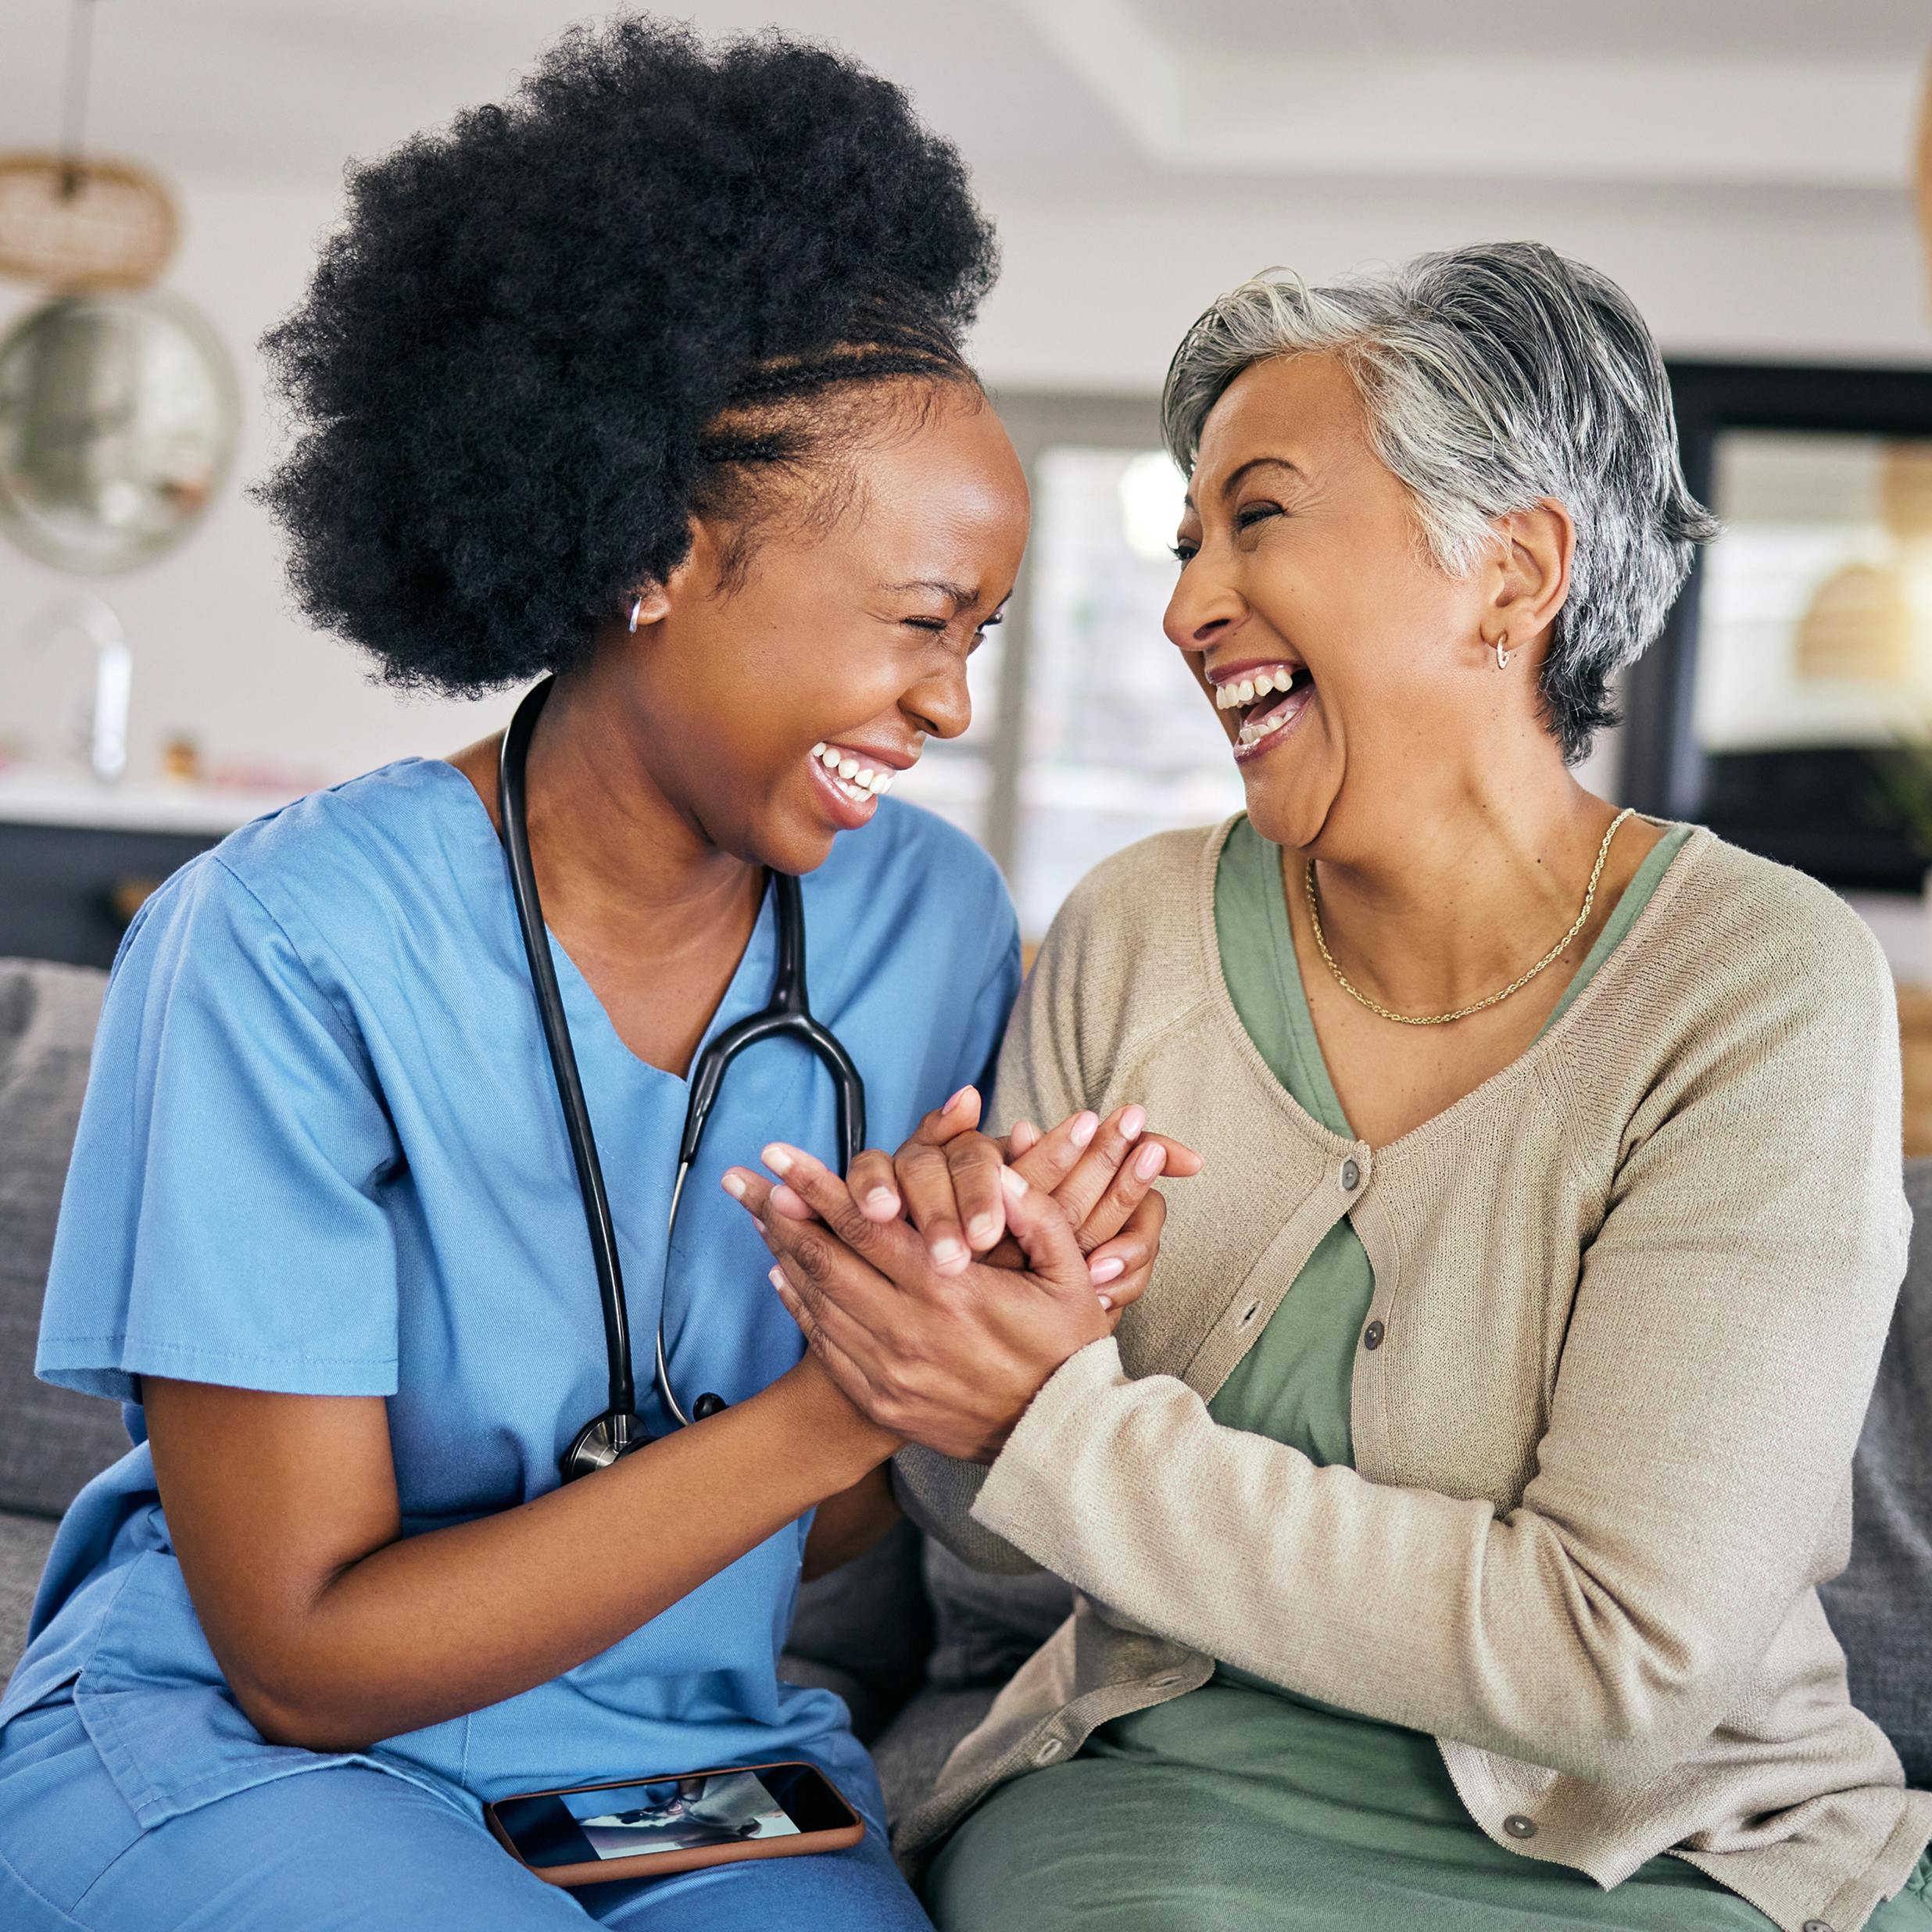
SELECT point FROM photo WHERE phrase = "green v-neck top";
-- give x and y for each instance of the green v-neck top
(1293, 1384)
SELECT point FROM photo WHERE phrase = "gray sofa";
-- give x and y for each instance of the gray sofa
(916, 1643)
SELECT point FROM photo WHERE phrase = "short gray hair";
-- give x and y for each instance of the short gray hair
(1494, 377)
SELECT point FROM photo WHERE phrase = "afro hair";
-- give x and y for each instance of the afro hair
(543, 340)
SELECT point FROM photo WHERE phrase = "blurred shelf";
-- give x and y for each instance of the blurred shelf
(77, 858)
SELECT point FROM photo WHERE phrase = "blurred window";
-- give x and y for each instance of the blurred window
(1815, 624)
(1088, 732)
(1117, 743)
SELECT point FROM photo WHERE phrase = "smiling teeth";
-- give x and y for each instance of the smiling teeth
(1238, 691)
(1252, 734)
(857, 782)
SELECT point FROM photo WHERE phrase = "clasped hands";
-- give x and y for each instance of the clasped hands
(940, 1287)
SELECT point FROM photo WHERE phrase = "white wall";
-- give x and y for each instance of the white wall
(218, 652)
(1093, 296)
(1096, 297)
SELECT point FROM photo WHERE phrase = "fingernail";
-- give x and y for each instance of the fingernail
(882, 1200)
(947, 1253)
(778, 1158)
(734, 1186)
(1150, 1159)
(984, 1229)
(958, 1100)
(1107, 1302)
(776, 1277)
(1084, 1127)
(1014, 1184)
(1132, 1122)
(1106, 1270)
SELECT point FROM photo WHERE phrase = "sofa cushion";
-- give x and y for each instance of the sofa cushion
(919, 1741)
(24, 1545)
(52, 1440)
(863, 1631)
(986, 1626)
(1881, 1608)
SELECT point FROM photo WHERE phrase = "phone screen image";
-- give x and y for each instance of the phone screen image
(674, 1814)
(692, 1812)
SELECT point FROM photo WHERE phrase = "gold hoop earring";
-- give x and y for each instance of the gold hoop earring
(1502, 655)
(637, 608)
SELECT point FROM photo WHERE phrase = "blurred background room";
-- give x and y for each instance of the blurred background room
(1754, 172)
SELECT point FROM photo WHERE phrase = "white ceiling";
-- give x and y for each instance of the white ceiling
(1076, 98)
(1721, 92)
(1581, 30)
(287, 88)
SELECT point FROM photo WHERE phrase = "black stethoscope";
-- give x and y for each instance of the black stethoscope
(620, 1429)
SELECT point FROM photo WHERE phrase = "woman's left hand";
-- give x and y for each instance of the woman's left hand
(949, 1361)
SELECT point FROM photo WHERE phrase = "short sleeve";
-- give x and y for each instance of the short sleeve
(224, 1218)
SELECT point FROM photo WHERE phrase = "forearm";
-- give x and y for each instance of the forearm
(848, 1524)
(430, 1627)
(1544, 1634)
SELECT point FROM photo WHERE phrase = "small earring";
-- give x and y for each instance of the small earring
(637, 608)
(1502, 655)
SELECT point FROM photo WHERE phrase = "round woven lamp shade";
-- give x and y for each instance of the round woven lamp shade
(85, 227)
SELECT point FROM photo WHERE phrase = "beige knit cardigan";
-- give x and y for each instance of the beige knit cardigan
(1629, 1299)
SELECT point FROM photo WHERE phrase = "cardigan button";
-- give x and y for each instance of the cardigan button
(1518, 1826)
(1047, 1751)
(1371, 1336)
(1815, 1925)
(1352, 1177)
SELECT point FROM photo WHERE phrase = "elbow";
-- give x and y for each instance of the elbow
(1628, 1752)
(286, 1710)
(306, 1729)
(1630, 1682)
(1593, 1746)
(1631, 1735)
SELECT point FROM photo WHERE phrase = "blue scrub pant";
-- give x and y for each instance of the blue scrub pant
(350, 1849)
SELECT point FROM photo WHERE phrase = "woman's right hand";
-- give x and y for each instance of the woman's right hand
(945, 1180)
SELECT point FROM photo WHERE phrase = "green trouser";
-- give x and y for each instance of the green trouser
(1302, 1819)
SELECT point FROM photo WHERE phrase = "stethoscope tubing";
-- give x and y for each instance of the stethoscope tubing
(513, 812)
(787, 1014)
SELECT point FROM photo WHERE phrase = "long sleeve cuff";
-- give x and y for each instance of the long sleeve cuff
(1025, 1498)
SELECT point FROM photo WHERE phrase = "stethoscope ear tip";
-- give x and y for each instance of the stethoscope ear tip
(708, 1405)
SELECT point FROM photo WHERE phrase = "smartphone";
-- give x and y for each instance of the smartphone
(591, 1834)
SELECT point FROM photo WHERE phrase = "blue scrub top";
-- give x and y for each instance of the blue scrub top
(321, 1152)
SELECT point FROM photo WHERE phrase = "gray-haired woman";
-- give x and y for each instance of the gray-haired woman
(1446, 1515)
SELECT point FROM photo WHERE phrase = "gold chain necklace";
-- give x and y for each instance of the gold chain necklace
(1495, 998)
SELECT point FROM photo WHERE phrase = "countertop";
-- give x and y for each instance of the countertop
(36, 796)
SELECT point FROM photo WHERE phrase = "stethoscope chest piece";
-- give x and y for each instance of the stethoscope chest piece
(615, 1434)
(602, 1443)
